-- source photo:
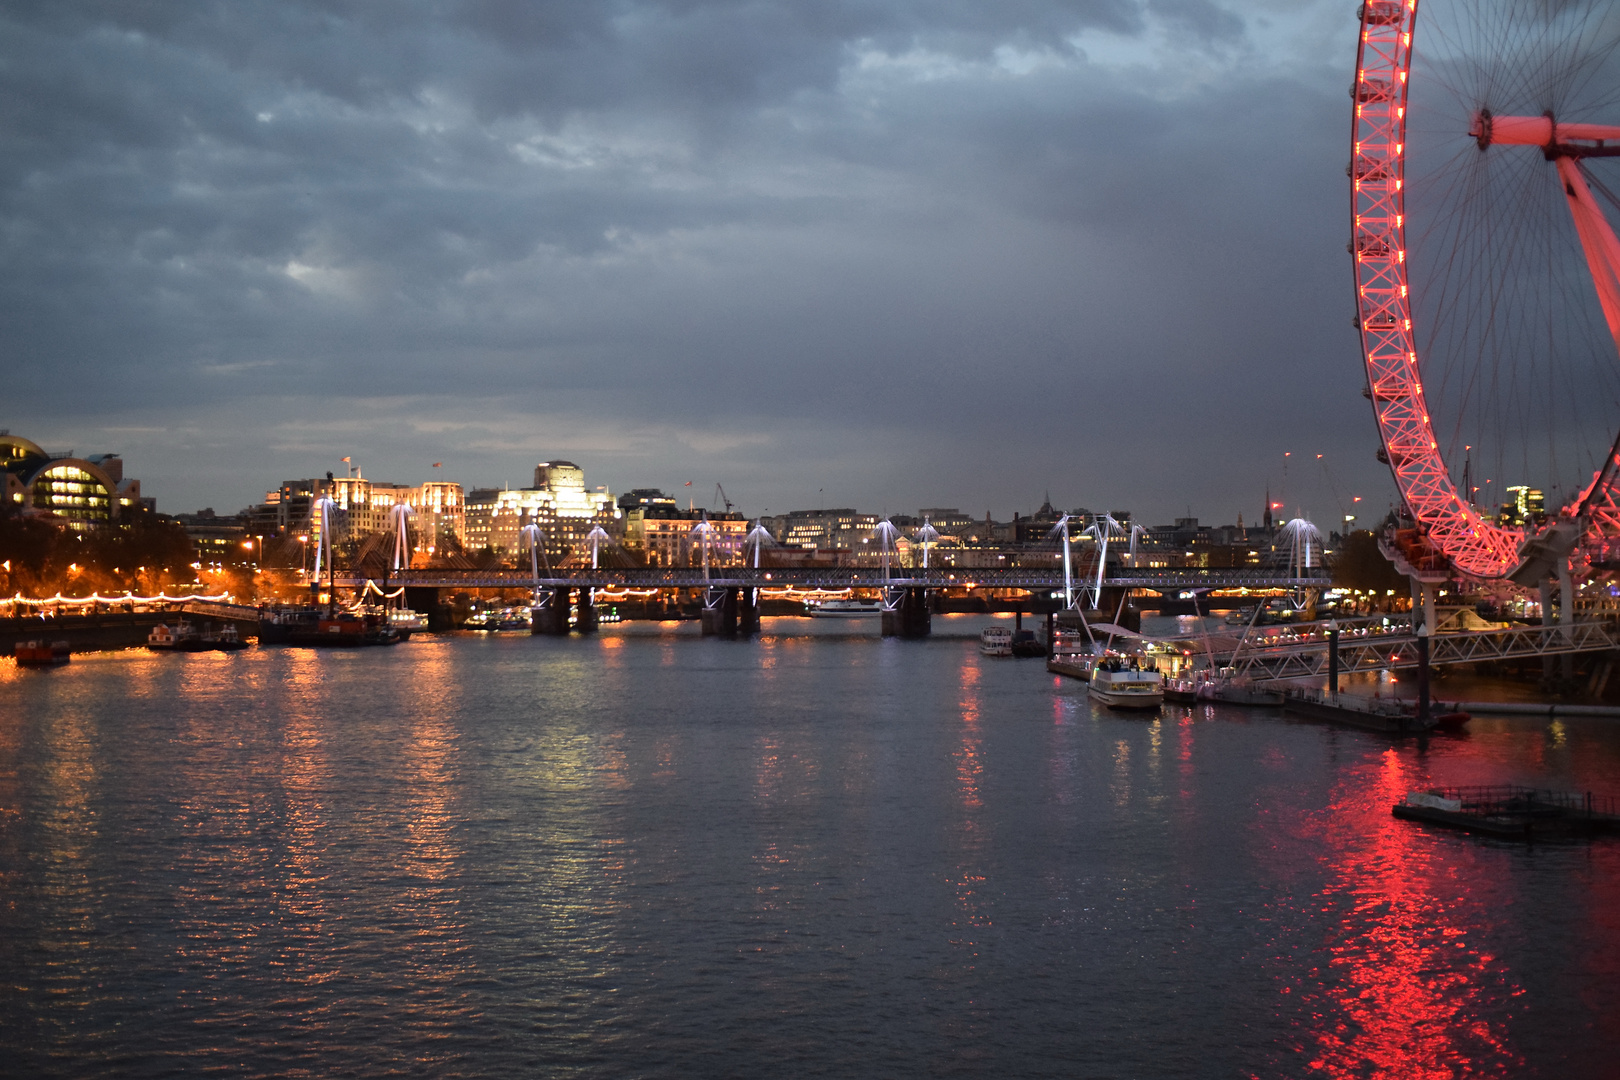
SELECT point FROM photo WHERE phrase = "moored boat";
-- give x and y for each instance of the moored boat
(1119, 684)
(1025, 644)
(406, 622)
(41, 654)
(995, 641)
(345, 630)
(277, 625)
(516, 618)
(846, 609)
(225, 638)
(1381, 715)
(166, 638)
(1183, 691)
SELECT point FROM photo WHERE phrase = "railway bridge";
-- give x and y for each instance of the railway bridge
(731, 594)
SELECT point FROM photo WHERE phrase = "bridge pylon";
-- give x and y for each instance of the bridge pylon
(548, 614)
(720, 608)
(906, 613)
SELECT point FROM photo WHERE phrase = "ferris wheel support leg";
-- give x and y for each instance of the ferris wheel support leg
(1597, 241)
(1566, 616)
(1422, 604)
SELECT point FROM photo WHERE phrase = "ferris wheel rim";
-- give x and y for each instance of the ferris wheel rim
(1466, 540)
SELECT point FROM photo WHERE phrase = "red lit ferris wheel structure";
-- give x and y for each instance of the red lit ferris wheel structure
(1495, 330)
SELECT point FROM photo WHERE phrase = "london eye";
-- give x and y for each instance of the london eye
(1488, 273)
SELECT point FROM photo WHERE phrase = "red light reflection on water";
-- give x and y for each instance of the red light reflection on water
(1403, 993)
(969, 877)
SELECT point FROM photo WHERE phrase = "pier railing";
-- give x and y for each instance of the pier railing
(1308, 657)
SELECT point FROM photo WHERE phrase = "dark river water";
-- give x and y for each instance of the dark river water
(814, 853)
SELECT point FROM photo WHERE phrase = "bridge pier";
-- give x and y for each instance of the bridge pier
(748, 612)
(720, 612)
(429, 602)
(586, 622)
(906, 615)
(549, 612)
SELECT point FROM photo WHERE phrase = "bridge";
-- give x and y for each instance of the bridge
(1180, 579)
(731, 594)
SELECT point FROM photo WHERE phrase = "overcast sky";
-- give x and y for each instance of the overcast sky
(876, 253)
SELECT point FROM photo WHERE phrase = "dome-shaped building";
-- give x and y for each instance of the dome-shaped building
(82, 493)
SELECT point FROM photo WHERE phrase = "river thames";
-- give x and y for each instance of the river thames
(815, 853)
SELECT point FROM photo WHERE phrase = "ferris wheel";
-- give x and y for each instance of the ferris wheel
(1487, 272)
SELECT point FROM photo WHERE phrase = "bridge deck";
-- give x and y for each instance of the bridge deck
(841, 577)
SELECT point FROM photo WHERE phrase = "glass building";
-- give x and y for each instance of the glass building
(81, 493)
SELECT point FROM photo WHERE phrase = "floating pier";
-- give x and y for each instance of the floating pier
(1512, 812)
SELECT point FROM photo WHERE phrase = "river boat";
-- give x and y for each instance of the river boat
(406, 622)
(225, 638)
(276, 625)
(345, 630)
(512, 619)
(41, 654)
(846, 609)
(1119, 684)
(1182, 691)
(1026, 645)
(166, 638)
(995, 641)
(1072, 656)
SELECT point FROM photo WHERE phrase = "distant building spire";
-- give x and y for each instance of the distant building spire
(1265, 520)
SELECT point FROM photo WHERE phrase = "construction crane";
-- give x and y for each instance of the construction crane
(721, 492)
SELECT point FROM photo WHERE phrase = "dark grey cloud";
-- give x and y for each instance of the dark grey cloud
(945, 253)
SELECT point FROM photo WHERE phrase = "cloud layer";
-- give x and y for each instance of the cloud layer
(882, 254)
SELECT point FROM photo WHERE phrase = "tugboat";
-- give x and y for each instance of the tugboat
(40, 654)
(166, 638)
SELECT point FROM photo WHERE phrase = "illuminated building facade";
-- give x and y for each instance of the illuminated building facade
(663, 534)
(558, 503)
(363, 507)
(80, 493)
(843, 528)
(1527, 507)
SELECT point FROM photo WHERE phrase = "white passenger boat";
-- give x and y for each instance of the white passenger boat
(995, 641)
(1119, 685)
(406, 621)
(846, 609)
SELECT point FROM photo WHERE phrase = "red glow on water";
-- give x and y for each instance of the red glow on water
(1400, 990)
